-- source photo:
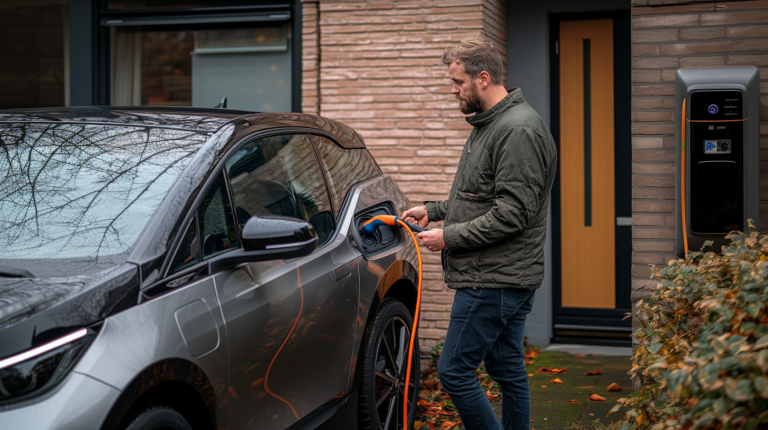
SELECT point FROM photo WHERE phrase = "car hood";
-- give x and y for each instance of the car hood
(35, 310)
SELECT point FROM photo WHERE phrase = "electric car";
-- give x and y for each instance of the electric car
(184, 268)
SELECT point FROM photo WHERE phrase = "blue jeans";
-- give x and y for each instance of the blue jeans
(487, 325)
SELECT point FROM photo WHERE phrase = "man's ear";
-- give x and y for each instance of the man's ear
(484, 79)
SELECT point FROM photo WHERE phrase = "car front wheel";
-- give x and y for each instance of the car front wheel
(382, 388)
(159, 418)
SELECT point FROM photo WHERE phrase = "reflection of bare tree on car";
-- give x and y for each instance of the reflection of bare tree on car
(197, 268)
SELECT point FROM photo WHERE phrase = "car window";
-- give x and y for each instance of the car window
(343, 167)
(215, 220)
(188, 252)
(280, 175)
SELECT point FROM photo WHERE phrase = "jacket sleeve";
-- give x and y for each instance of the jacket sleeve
(520, 166)
(436, 210)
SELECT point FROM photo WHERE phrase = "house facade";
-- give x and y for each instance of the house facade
(600, 72)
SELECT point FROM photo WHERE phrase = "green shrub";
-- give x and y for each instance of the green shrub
(703, 346)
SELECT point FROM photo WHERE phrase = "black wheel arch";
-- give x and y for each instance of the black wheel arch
(400, 282)
(176, 383)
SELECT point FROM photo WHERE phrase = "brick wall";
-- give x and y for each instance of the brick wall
(310, 57)
(665, 38)
(380, 72)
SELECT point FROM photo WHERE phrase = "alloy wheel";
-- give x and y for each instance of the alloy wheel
(389, 374)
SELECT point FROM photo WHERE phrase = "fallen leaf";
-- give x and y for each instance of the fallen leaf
(550, 370)
(424, 403)
(450, 414)
(591, 415)
(528, 362)
(448, 424)
(594, 372)
(543, 386)
(586, 386)
(531, 354)
(577, 355)
(597, 398)
(490, 395)
(556, 381)
(574, 402)
(530, 374)
(614, 387)
(418, 424)
(640, 419)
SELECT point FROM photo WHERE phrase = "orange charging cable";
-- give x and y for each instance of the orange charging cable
(369, 227)
(413, 330)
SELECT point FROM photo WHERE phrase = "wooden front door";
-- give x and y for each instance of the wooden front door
(587, 204)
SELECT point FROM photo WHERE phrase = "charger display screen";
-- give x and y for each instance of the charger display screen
(717, 105)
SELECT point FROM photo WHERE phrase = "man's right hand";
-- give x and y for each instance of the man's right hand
(417, 215)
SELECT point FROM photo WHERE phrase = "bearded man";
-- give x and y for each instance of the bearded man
(495, 222)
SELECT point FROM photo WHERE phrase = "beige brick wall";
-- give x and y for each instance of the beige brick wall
(310, 57)
(665, 38)
(380, 72)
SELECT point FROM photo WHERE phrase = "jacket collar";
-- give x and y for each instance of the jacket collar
(481, 119)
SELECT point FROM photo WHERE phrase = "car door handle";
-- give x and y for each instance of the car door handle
(344, 270)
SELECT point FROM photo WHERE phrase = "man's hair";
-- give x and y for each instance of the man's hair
(476, 55)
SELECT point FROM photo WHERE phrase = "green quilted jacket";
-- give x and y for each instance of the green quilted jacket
(496, 215)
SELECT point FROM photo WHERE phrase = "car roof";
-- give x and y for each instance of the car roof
(198, 119)
(202, 120)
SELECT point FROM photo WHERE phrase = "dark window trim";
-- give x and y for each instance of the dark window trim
(276, 6)
(325, 174)
(231, 205)
(177, 246)
(135, 21)
(325, 179)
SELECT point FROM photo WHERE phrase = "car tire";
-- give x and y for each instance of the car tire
(381, 388)
(159, 418)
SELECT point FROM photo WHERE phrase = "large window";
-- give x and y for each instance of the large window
(174, 65)
(33, 52)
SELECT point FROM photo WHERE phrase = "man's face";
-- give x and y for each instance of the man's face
(465, 90)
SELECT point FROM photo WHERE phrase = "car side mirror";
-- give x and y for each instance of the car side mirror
(270, 237)
(279, 234)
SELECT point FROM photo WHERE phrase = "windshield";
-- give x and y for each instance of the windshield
(83, 191)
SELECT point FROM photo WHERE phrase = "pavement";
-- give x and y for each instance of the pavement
(549, 402)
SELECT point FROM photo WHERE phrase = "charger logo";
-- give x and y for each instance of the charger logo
(713, 109)
(717, 146)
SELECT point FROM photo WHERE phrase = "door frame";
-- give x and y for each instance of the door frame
(585, 324)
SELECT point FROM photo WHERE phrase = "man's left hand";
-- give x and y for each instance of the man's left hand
(432, 239)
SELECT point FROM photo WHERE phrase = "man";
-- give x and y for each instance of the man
(493, 236)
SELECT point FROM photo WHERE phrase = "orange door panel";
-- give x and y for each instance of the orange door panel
(587, 164)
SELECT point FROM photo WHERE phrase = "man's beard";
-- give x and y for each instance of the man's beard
(473, 103)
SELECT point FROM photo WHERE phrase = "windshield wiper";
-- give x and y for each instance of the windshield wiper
(12, 272)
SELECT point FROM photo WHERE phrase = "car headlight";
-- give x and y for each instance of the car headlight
(34, 371)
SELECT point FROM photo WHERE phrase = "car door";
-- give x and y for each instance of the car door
(290, 323)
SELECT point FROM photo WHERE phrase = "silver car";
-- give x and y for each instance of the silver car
(183, 268)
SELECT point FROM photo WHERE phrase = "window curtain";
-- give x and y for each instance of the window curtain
(126, 67)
